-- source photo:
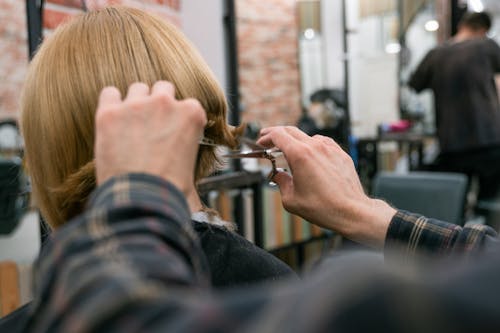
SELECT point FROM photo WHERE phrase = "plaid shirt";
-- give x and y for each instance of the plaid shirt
(413, 234)
(132, 263)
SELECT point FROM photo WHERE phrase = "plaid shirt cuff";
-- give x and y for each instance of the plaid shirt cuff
(416, 234)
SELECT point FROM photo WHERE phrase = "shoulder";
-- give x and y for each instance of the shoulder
(479, 44)
(233, 260)
(432, 56)
(492, 44)
(17, 320)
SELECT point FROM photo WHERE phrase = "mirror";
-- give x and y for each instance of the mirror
(426, 24)
(310, 48)
(324, 105)
(419, 35)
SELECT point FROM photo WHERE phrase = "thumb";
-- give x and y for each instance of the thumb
(285, 183)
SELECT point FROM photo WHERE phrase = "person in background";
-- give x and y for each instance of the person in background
(326, 115)
(307, 124)
(461, 74)
(130, 262)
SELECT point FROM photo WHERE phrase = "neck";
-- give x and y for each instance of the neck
(466, 34)
(194, 201)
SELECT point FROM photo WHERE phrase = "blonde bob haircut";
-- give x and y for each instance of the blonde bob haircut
(113, 46)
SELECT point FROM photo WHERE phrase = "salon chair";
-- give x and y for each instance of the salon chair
(12, 206)
(439, 195)
(13, 201)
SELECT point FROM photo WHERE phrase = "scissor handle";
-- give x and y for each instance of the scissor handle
(273, 152)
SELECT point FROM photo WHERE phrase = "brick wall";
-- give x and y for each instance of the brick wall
(267, 34)
(268, 61)
(56, 11)
(13, 37)
(13, 55)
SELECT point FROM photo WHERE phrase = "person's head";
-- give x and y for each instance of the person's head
(476, 23)
(323, 109)
(113, 46)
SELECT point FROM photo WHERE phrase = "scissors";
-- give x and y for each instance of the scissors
(256, 151)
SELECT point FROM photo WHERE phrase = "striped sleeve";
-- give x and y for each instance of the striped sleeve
(415, 234)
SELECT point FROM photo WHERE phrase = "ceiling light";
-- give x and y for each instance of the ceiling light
(431, 25)
(309, 33)
(476, 5)
(393, 48)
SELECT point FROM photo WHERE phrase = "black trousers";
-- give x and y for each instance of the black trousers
(483, 163)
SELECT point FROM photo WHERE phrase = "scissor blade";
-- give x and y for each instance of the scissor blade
(250, 154)
(208, 142)
(251, 143)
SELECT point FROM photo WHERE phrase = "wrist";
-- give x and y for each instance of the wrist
(369, 222)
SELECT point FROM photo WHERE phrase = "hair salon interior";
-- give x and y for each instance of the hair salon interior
(340, 68)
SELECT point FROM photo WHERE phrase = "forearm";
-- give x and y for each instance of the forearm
(122, 253)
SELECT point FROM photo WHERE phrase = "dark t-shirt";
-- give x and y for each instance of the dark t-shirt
(234, 261)
(461, 75)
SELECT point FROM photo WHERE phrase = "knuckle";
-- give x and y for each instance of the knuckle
(323, 147)
(162, 98)
(193, 103)
(196, 111)
(308, 151)
(106, 115)
(140, 85)
(295, 151)
(136, 104)
(317, 143)
(168, 85)
(109, 90)
(299, 157)
(346, 160)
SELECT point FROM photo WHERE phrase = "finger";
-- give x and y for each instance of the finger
(283, 138)
(109, 96)
(277, 136)
(198, 114)
(162, 87)
(285, 183)
(137, 90)
(326, 140)
(292, 130)
(297, 133)
(266, 130)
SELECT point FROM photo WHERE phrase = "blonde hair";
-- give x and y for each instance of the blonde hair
(113, 46)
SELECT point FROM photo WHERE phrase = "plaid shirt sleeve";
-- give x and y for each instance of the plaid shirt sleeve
(131, 263)
(416, 234)
(134, 226)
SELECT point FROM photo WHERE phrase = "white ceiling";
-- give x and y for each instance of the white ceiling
(493, 6)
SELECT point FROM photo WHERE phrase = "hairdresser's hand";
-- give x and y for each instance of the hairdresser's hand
(324, 187)
(148, 131)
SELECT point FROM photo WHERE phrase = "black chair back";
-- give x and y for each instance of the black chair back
(439, 195)
(11, 196)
